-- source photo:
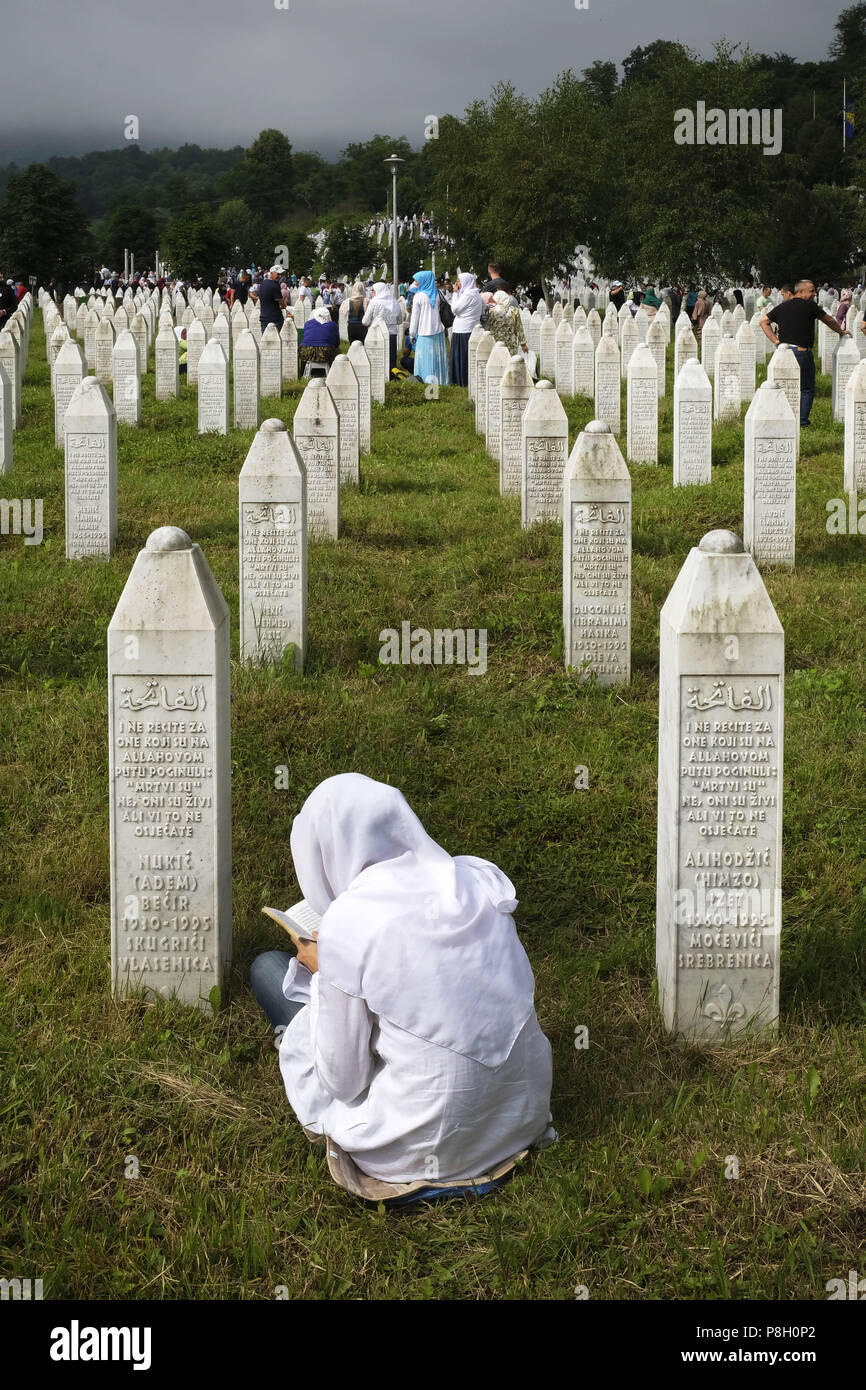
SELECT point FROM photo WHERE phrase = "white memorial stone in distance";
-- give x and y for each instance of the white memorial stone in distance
(361, 366)
(846, 360)
(545, 454)
(642, 323)
(583, 362)
(596, 558)
(711, 336)
(376, 347)
(693, 425)
(5, 420)
(9, 362)
(593, 323)
(564, 359)
(496, 365)
(166, 360)
(547, 348)
(514, 392)
(657, 344)
(222, 332)
(90, 456)
(345, 393)
(685, 345)
(196, 340)
(745, 340)
(629, 340)
(170, 816)
(784, 370)
(472, 348)
(104, 351)
(91, 324)
(138, 329)
(70, 370)
(126, 378)
(761, 340)
(718, 898)
(770, 478)
(607, 384)
(482, 354)
(642, 407)
(855, 430)
(726, 385)
(289, 349)
(213, 390)
(273, 548)
(245, 377)
(271, 362)
(316, 430)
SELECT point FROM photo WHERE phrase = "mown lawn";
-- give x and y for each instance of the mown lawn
(231, 1201)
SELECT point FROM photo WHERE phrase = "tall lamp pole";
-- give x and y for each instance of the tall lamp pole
(393, 161)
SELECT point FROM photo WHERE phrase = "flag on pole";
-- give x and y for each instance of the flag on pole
(849, 121)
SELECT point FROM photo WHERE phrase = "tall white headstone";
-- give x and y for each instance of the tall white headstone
(607, 384)
(343, 386)
(316, 430)
(196, 341)
(855, 430)
(245, 377)
(361, 366)
(657, 344)
(127, 379)
(596, 558)
(564, 359)
(273, 548)
(377, 348)
(693, 425)
(90, 449)
(783, 370)
(685, 345)
(642, 403)
(472, 349)
(770, 478)
(545, 454)
(846, 360)
(213, 390)
(271, 362)
(726, 386)
(482, 354)
(496, 365)
(5, 421)
(718, 884)
(745, 340)
(711, 336)
(104, 351)
(70, 370)
(628, 340)
(547, 347)
(583, 362)
(289, 347)
(170, 775)
(514, 392)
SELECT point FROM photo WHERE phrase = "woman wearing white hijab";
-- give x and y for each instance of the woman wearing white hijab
(321, 338)
(419, 1055)
(384, 306)
(467, 307)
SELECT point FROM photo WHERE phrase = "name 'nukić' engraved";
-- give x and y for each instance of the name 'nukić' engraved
(164, 818)
(729, 822)
(600, 576)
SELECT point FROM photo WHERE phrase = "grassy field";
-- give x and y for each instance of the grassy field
(231, 1201)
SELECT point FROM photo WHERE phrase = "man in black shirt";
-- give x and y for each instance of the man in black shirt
(271, 298)
(794, 321)
(495, 282)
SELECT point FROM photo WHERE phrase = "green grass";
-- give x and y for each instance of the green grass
(231, 1200)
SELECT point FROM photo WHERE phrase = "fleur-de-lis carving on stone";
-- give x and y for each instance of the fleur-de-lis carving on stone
(721, 1008)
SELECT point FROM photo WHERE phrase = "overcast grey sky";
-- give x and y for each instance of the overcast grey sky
(216, 72)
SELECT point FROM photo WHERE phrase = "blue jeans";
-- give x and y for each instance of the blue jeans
(267, 973)
(807, 381)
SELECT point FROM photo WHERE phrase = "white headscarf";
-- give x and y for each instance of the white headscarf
(426, 940)
(322, 315)
(383, 292)
(468, 281)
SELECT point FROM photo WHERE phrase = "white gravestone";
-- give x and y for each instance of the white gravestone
(90, 326)
(170, 775)
(685, 345)
(361, 366)
(104, 351)
(711, 336)
(745, 341)
(855, 430)
(126, 379)
(376, 348)
(196, 341)
(138, 329)
(514, 392)
(272, 491)
(545, 453)
(770, 478)
(547, 348)
(846, 360)
(718, 883)
(222, 333)
(5, 421)
(564, 359)
(628, 342)
(316, 429)
(596, 558)
(166, 360)
(593, 323)
(657, 344)
(9, 363)
(482, 355)
(496, 365)
(70, 370)
(90, 452)
(784, 370)
(472, 348)
(693, 425)
(583, 362)
(245, 377)
(213, 390)
(345, 393)
(761, 341)
(726, 385)
(607, 384)
(271, 362)
(289, 346)
(642, 407)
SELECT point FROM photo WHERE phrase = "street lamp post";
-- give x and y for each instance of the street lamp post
(393, 161)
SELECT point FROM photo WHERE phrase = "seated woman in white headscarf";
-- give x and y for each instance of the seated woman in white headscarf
(384, 306)
(467, 307)
(427, 332)
(321, 339)
(419, 1055)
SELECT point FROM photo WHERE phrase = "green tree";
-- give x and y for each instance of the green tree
(814, 232)
(348, 247)
(849, 45)
(365, 180)
(301, 248)
(43, 230)
(318, 186)
(241, 231)
(192, 245)
(132, 226)
(266, 175)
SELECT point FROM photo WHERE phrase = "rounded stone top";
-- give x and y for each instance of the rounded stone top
(89, 383)
(273, 424)
(597, 427)
(722, 543)
(168, 538)
(544, 385)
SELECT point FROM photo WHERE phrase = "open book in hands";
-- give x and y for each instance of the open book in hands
(301, 921)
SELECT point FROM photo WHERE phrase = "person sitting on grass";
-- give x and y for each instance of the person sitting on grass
(321, 340)
(419, 1056)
